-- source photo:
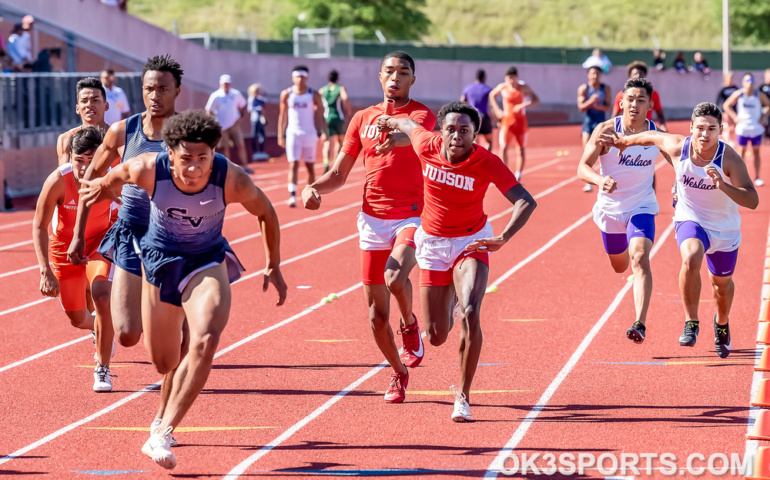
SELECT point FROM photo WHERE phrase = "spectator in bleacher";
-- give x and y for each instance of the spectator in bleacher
(598, 59)
(659, 58)
(116, 98)
(256, 103)
(680, 65)
(14, 45)
(121, 4)
(27, 24)
(57, 65)
(700, 65)
(638, 69)
(228, 106)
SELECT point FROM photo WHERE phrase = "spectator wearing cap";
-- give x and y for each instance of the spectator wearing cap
(228, 106)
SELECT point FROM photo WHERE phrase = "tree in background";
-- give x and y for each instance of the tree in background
(750, 22)
(396, 19)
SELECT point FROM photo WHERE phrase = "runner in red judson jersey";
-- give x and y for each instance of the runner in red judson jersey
(455, 238)
(390, 214)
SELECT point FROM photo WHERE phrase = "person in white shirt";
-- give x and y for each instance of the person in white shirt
(116, 98)
(14, 44)
(25, 47)
(228, 106)
(598, 59)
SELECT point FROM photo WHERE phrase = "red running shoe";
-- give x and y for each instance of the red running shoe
(413, 347)
(396, 392)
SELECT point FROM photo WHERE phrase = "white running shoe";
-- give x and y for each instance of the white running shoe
(102, 380)
(462, 411)
(758, 182)
(156, 425)
(158, 448)
(292, 201)
(588, 188)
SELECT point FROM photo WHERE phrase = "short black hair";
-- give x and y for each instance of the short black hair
(461, 108)
(706, 109)
(399, 54)
(301, 68)
(512, 71)
(595, 67)
(481, 75)
(164, 63)
(640, 82)
(90, 82)
(194, 126)
(108, 71)
(637, 65)
(86, 139)
(17, 27)
(333, 76)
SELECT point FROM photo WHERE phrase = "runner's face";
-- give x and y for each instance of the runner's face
(299, 81)
(396, 78)
(80, 163)
(748, 84)
(705, 131)
(91, 106)
(159, 92)
(637, 73)
(512, 80)
(458, 134)
(635, 103)
(191, 163)
(593, 75)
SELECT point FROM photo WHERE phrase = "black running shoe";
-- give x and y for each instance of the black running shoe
(689, 334)
(722, 339)
(636, 332)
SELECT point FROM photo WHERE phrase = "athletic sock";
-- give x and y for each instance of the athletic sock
(292, 188)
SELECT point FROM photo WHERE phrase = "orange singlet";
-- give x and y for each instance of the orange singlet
(513, 124)
(74, 279)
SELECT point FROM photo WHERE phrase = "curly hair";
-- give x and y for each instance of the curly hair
(194, 126)
(86, 139)
(461, 108)
(706, 109)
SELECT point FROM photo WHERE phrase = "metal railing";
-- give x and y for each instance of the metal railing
(36, 107)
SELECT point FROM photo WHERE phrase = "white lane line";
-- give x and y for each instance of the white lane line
(245, 464)
(17, 224)
(497, 464)
(26, 305)
(21, 270)
(299, 222)
(14, 245)
(44, 353)
(756, 379)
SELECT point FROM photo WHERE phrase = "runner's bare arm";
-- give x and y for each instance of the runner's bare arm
(523, 206)
(347, 110)
(320, 121)
(729, 105)
(404, 125)
(239, 188)
(330, 181)
(105, 155)
(493, 100)
(51, 195)
(140, 171)
(591, 154)
(668, 143)
(534, 100)
(742, 189)
(283, 119)
(63, 147)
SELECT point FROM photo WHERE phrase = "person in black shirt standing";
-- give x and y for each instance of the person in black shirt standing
(728, 88)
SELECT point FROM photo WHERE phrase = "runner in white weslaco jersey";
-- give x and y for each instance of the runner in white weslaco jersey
(626, 206)
(746, 107)
(711, 182)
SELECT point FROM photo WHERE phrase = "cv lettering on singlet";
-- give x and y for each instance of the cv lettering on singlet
(463, 182)
(700, 184)
(179, 213)
(634, 162)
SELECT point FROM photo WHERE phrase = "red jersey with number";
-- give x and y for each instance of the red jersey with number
(394, 187)
(454, 193)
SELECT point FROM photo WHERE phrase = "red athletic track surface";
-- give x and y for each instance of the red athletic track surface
(263, 392)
